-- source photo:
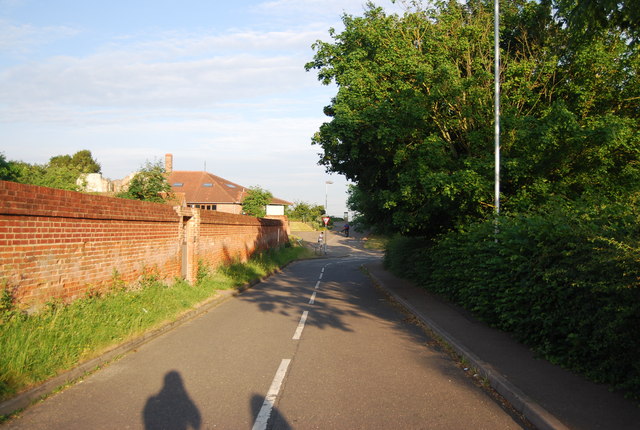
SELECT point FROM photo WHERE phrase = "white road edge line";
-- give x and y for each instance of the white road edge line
(267, 406)
(317, 285)
(313, 298)
(320, 277)
(303, 319)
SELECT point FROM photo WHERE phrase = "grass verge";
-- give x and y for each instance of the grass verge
(376, 242)
(300, 226)
(40, 346)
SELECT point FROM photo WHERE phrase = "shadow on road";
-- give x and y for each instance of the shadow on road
(344, 291)
(171, 408)
(276, 420)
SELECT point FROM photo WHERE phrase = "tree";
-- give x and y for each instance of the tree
(255, 202)
(305, 212)
(589, 17)
(7, 169)
(148, 184)
(82, 161)
(412, 121)
(409, 122)
(62, 171)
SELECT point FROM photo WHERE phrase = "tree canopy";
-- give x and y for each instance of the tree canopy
(62, 171)
(591, 17)
(412, 121)
(7, 171)
(305, 212)
(255, 202)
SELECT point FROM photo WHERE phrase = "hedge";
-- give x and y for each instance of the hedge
(564, 281)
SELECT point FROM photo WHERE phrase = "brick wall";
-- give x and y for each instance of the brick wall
(58, 244)
(224, 237)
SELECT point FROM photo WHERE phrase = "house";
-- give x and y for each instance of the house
(207, 191)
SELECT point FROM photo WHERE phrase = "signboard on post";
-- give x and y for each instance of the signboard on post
(326, 219)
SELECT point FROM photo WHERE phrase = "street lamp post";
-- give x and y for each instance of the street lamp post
(326, 211)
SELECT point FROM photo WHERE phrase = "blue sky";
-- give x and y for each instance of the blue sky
(210, 81)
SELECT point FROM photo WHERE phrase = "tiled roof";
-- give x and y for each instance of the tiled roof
(277, 201)
(204, 187)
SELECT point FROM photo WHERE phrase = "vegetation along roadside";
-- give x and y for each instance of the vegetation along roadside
(412, 127)
(38, 347)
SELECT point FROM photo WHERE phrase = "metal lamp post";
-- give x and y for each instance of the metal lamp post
(326, 212)
(325, 196)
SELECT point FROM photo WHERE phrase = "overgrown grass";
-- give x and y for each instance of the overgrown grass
(375, 241)
(37, 347)
(300, 226)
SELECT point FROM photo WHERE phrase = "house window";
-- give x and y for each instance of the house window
(177, 184)
(207, 184)
(203, 206)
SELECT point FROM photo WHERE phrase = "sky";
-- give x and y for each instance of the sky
(219, 84)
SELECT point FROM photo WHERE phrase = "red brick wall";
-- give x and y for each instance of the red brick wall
(224, 236)
(57, 244)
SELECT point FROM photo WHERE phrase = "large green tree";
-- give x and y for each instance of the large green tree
(412, 121)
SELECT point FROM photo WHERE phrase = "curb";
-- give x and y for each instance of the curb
(532, 411)
(48, 387)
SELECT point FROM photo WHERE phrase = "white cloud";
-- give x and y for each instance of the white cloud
(191, 72)
(239, 100)
(18, 39)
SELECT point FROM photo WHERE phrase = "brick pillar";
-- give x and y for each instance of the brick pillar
(188, 237)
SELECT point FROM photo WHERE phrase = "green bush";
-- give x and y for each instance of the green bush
(564, 280)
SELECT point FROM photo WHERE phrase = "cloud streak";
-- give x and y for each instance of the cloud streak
(192, 72)
(19, 39)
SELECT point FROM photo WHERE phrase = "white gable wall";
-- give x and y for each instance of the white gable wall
(275, 209)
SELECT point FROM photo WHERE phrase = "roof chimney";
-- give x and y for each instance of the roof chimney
(168, 163)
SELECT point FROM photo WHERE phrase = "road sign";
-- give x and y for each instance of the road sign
(326, 220)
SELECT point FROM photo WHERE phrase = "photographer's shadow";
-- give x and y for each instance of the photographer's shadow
(171, 408)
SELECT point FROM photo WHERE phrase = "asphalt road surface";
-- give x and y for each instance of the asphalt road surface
(316, 346)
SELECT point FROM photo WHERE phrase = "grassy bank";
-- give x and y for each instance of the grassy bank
(300, 226)
(38, 347)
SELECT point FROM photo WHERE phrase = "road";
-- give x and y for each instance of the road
(315, 346)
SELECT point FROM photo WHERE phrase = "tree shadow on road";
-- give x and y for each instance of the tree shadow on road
(171, 408)
(288, 294)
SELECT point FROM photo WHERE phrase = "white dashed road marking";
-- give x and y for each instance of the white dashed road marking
(267, 406)
(303, 319)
